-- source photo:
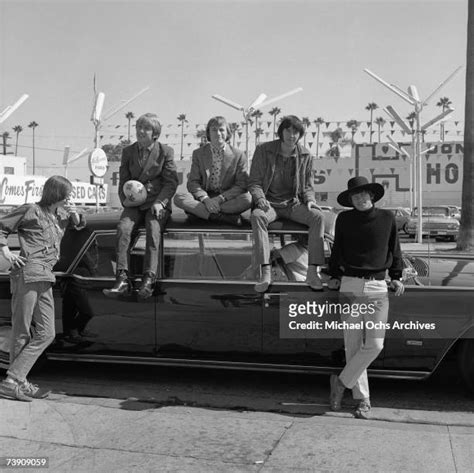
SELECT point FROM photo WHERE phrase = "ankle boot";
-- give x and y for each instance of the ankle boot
(147, 286)
(121, 286)
(265, 278)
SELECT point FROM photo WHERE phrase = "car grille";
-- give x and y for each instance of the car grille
(420, 265)
(436, 226)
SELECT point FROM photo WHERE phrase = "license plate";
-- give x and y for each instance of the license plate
(440, 233)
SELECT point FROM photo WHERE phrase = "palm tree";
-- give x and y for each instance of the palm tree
(259, 131)
(274, 112)
(371, 107)
(129, 116)
(33, 125)
(444, 102)
(17, 129)
(201, 134)
(336, 136)
(307, 123)
(353, 125)
(257, 114)
(5, 136)
(380, 122)
(318, 122)
(182, 119)
(466, 230)
(234, 127)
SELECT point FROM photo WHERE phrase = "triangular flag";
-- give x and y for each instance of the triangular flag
(362, 133)
(372, 170)
(368, 124)
(350, 171)
(328, 171)
(310, 143)
(166, 136)
(313, 133)
(240, 134)
(392, 124)
(269, 124)
(392, 170)
(449, 157)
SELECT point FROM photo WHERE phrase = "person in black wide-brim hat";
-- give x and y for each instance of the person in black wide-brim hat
(365, 246)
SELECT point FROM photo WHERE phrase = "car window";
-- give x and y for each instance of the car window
(206, 255)
(99, 260)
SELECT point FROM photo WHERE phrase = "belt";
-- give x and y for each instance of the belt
(378, 276)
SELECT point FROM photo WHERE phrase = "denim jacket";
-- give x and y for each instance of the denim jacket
(39, 233)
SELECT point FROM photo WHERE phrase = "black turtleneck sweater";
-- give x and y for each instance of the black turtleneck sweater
(366, 244)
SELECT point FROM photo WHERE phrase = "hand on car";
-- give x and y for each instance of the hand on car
(15, 260)
(213, 205)
(263, 204)
(397, 287)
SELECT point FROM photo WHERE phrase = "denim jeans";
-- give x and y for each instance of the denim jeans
(363, 346)
(130, 220)
(313, 219)
(32, 323)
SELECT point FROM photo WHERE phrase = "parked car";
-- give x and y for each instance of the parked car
(455, 212)
(437, 221)
(205, 312)
(402, 217)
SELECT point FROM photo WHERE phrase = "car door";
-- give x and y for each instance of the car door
(119, 326)
(206, 305)
(296, 346)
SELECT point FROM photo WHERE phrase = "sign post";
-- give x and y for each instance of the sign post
(98, 167)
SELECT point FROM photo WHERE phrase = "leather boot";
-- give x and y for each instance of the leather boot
(147, 286)
(265, 279)
(121, 286)
(228, 219)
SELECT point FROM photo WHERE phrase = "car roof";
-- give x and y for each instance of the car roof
(179, 222)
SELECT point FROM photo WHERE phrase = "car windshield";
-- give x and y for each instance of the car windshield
(433, 211)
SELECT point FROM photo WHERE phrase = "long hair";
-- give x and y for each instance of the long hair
(55, 189)
(290, 121)
(218, 121)
(150, 119)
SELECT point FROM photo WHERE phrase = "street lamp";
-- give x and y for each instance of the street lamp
(257, 103)
(11, 108)
(412, 97)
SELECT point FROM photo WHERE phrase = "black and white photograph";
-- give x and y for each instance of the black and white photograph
(237, 236)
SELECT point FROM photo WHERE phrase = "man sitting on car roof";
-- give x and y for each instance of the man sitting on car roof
(281, 184)
(217, 182)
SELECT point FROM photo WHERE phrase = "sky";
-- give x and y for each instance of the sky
(186, 51)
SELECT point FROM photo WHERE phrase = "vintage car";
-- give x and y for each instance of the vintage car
(402, 217)
(205, 312)
(437, 221)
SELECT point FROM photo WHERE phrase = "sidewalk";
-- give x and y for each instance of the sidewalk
(110, 435)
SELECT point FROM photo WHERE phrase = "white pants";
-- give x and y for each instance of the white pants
(363, 346)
